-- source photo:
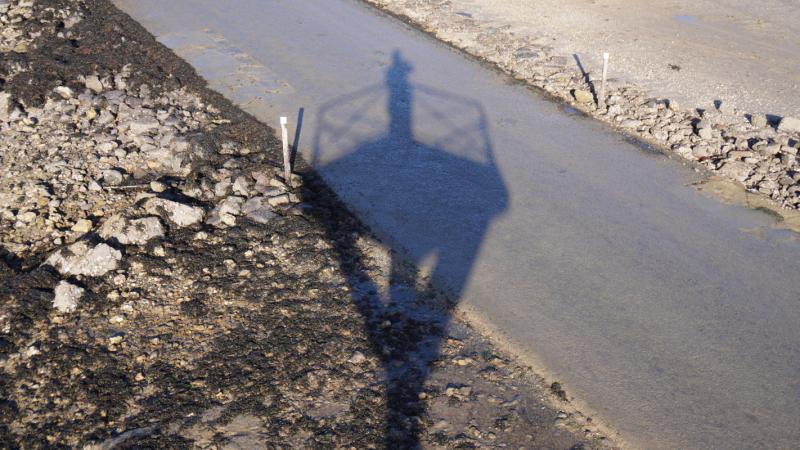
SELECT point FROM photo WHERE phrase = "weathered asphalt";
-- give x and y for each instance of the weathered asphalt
(671, 315)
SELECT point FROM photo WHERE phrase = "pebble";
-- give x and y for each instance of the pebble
(82, 226)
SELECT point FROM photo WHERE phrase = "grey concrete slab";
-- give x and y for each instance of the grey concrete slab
(651, 303)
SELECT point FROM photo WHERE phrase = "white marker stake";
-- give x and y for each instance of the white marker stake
(287, 161)
(602, 99)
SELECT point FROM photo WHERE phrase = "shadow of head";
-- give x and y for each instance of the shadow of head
(416, 164)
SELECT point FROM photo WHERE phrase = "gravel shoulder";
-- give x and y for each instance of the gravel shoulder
(695, 52)
(162, 286)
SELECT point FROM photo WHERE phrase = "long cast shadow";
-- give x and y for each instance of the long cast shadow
(427, 183)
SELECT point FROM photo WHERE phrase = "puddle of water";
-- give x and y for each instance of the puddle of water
(687, 19)
(732, 193)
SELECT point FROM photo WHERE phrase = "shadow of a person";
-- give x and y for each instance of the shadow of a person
(427, 185)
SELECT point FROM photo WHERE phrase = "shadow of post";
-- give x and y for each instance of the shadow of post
(417, 165)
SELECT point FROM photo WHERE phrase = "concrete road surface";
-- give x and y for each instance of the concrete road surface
(676, 318)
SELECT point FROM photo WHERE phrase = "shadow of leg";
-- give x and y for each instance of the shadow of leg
(403, 331)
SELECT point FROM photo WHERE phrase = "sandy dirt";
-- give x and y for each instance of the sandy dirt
(743, 53)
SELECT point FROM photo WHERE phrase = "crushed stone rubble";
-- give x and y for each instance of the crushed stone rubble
(753, 149)
(162, 285)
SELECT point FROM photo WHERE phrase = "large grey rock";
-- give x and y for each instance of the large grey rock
(67, 296)
(81, 258)
(225, 213)
(131, 232)
(789, 125)
(142, 126)
(630, 123)
(737, 170)
(255, 210)
(180, 214)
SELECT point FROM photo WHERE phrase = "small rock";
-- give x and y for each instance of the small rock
(296, 180)
(278, 200)
(71, 21)
(255, 210)
(27, 217)
(737, 170)
(276, 183)
(241, 186)
(5, 104)
(725, 108)
(789, 125)
(93, 83)
(225, 213)
(157, 186)
(66, 297)
(221, 188)
(180, 214)
(582, 96)
(701, 151)
(82, 226)
(462, 361)
(758, 120)
(65, 92)
(357, 358)
(705, 133)
(631, 123)
(771, 150)
(81, 259)
(143, 126)
(261, 215)
(113, 177)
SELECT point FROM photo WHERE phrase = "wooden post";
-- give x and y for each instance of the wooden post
(287, 161)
